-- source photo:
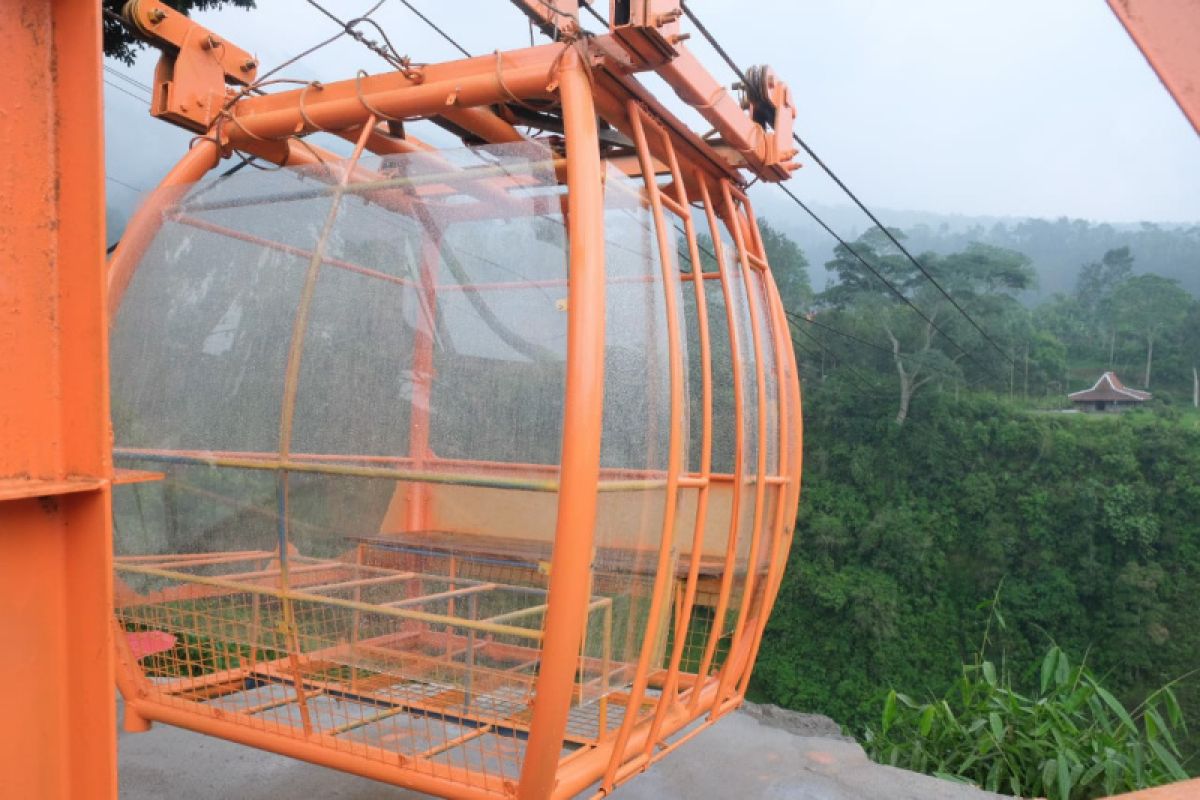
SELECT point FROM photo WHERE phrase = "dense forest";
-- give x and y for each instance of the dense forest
(1056, 247)
(943, 482)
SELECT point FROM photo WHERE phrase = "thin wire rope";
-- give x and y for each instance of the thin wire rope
(841, 185)
(794, 318)
(896, 242)
(432, 25)
(801, 318)
(120, 182)
(890, 286)
(596, 14)
(128, 79)
(123, 90)
(826, 351)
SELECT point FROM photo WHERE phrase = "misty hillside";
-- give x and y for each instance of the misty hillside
(1057, 247)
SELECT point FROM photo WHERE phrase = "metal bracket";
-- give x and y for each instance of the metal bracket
(195, 67)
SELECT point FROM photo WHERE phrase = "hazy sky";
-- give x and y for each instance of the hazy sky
(995, 107)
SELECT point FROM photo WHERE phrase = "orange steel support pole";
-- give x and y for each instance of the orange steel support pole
(57, 739)
(583, 405)
(1168, 34)
(664, 569)
(422, 374)
(739, 450)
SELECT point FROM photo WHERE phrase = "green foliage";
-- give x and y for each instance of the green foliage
(921, 349)
(1148, 305)
(904, 533)
(1069, 739)
(789, 266)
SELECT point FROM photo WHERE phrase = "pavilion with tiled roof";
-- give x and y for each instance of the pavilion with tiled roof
(1108, 394)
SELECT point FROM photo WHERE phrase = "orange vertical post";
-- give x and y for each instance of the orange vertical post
(58, 736)
(583, 406)
(422, 371)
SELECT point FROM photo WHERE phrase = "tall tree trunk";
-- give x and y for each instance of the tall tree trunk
(906, 393)
(1149, 359)
(1027, 370)
(1195, 387)
(1112, 346)
(909, 383)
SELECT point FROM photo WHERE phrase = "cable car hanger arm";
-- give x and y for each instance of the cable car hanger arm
(648, 32)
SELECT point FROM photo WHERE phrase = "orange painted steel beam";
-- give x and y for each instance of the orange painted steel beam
(1168, 34)
(58, 735)
(445, 88)
(738, 648)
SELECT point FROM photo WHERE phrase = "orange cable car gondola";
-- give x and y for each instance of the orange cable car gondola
(473, 471)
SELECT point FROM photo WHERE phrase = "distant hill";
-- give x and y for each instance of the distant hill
(1057, 247)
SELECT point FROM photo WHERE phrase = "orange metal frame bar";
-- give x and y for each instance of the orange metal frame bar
(582, 415)
(58, 736)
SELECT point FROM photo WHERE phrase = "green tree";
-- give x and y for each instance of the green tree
(981, 278)
(121, 44)
(1191, 349)
(1094, 292)
(788, 266)
(1148, 305)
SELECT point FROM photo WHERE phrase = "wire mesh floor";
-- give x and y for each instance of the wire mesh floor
(429, 660)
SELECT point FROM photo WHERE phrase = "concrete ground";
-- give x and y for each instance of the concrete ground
(755, 754)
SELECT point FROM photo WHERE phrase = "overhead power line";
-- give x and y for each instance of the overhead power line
(825, 350)
(128, 79)
(795, 318)
(801, 318)
(896, 242)
(120, 182)
(712, 40)
(870, 268)
(430, 23)
(595, 14)
(123, 90)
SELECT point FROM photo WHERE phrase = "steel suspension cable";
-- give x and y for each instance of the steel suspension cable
(826, 351)
(796, 318)
(890, 286)
(712, 40)
(431, 24)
